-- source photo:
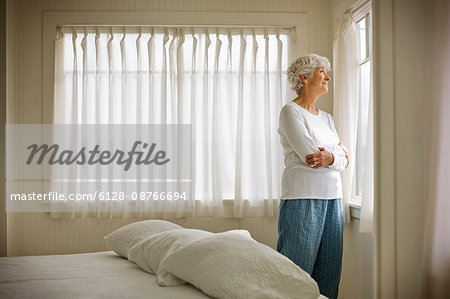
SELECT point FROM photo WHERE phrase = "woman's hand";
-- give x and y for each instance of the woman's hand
(320, 158)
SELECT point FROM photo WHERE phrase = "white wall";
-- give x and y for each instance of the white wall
(401, 36)
(411, 127)
(358, 266)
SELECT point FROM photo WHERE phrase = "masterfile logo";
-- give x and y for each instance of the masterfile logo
(98, 163)
(94, 156)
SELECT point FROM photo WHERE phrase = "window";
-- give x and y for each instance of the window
(228, 83)
(363, 26)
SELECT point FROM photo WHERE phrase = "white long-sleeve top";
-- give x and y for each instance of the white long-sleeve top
(301, 134)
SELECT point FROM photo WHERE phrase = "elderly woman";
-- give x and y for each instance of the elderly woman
(311, 219)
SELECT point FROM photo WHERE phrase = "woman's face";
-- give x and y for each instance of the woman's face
(318, 82)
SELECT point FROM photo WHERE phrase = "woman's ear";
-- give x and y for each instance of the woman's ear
(303, 77)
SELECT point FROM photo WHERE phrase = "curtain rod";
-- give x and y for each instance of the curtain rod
(176, 26)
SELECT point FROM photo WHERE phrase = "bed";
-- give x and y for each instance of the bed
(86, 275)
(159, 259)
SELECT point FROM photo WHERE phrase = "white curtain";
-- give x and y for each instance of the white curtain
(437, 236)
(228, 83)
(366, 216)
(345, 109)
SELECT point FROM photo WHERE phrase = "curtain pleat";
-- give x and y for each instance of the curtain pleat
(267, 120)
(193, 118)
(204, 163)
(74, 111)
(227, 83)
(254, 105)
(163, 99)
(111, 102)
(216, 158)
(239, 129)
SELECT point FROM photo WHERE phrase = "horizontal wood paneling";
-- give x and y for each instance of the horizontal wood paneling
(357, 264)
(39, 234)
(176, 5)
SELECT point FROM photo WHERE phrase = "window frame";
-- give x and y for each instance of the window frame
(51, 20)
(361, 12)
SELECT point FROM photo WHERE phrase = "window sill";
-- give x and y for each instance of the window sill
(355, 206)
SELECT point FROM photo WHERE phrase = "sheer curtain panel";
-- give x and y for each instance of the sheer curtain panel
(345, 110)
(229, 84)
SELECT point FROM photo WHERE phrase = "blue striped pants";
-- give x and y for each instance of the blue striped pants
(310, 233)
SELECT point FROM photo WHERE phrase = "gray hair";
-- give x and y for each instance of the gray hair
(305, 65)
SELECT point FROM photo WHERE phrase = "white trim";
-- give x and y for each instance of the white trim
(361, 8)
(355, 206)
(355, 211)
(384, 131)
(364, 11)
(51, 19)
(355, 200)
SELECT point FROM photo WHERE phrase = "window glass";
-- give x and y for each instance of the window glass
(364, 55)
(361, 27)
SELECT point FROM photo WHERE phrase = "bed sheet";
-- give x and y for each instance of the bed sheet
(87, 275)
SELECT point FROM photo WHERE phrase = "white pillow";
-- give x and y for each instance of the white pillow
(129, 235)
(166, 278)
(233, 265)
(148, 253)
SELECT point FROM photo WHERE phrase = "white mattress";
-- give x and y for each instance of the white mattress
(88, 275)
